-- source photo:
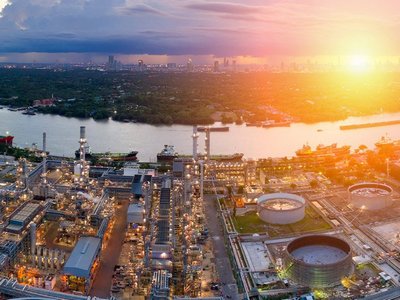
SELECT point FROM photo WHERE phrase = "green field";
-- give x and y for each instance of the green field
(250, 223)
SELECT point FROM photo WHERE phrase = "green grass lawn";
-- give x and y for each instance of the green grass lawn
(250, 223)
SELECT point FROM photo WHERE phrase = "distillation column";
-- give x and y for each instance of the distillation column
(81, 168)
(44, 155)
(208, 143)
(195, 137)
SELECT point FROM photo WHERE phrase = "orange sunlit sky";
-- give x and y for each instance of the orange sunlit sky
(359, 32)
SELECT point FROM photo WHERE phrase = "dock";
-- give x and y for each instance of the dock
(368, 125)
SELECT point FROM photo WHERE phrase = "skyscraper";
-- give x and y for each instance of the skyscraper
(189, 65)
(112, 63)
(216, 66)
(140, 65)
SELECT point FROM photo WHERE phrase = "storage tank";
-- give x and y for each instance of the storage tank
(281, 208)
(370, 195)
(318, 260)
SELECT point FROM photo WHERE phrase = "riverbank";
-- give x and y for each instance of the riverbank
(148, 140)
(199, 98)
(368, 125)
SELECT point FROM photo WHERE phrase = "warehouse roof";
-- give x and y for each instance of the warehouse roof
(82, 257)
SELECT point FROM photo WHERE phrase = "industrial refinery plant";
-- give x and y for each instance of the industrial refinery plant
(198, 226)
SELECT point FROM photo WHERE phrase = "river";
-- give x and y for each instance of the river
(254, 142)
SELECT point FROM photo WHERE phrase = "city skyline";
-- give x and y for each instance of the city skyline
(161, 32)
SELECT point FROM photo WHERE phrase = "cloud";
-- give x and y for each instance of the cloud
(3, 4)
(224, 7)
(138, 9)
(214, 27)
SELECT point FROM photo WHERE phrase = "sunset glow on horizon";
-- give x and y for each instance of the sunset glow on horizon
(257, 32)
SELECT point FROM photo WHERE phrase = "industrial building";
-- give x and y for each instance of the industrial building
(318, 260)
(281, 208)
(22, 216)
(161, 247)
(370, 195)
(135, 214)
(81, 265)
(160, 287)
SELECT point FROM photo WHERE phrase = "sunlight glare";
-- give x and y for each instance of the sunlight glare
(3, 3)
(359, 63)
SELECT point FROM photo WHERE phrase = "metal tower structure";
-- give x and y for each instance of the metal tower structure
(81, 169)
(44, 155)
(208, 143)
(195, 137)
(22, 174)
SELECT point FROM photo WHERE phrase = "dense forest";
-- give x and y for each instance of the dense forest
(195, 98)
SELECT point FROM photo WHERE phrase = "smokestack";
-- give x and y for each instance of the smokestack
(83, 132)
(32, 230)
(201, 180)
(208, 143)
(44, 141)
(44, 155)
(82, 142)
(81, 166)
(195, 137)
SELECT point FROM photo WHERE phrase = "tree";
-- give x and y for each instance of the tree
(313, 183)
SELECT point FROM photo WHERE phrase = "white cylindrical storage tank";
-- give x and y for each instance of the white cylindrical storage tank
(281, 208)
(318, 261)
(370, 195)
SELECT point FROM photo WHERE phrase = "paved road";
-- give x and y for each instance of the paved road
(223, 267)
(110, 255)
(391, 294)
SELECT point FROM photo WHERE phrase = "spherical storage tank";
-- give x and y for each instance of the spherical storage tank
(369, 195)
(318, 260)
(281, 208)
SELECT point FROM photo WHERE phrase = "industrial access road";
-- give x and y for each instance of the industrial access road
(228, 284)
(110, 255)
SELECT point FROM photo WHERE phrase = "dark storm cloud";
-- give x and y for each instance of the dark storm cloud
(130, 45)
(214, 27)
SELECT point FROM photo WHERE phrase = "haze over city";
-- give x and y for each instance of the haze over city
(172, 31)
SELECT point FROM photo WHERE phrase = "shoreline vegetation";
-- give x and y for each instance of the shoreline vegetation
(159, 98)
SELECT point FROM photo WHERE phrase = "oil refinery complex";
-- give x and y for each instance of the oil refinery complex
(198, 226)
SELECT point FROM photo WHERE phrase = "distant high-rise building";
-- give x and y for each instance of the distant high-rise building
(216, 66)
(189, 65)
(226, 62)
(140, 65)
(234, 65)
(171, 65)
(112, 63)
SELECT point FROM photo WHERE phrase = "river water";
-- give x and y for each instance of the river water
(254, 142)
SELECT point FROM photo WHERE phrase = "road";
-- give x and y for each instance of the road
(110, 255)
(391, 294)
(223, 266)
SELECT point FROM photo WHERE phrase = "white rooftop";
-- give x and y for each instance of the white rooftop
(257, 256)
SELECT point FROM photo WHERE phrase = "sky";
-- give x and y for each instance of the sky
(173, 30)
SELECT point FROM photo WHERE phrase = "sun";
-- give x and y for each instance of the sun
(359, 63)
